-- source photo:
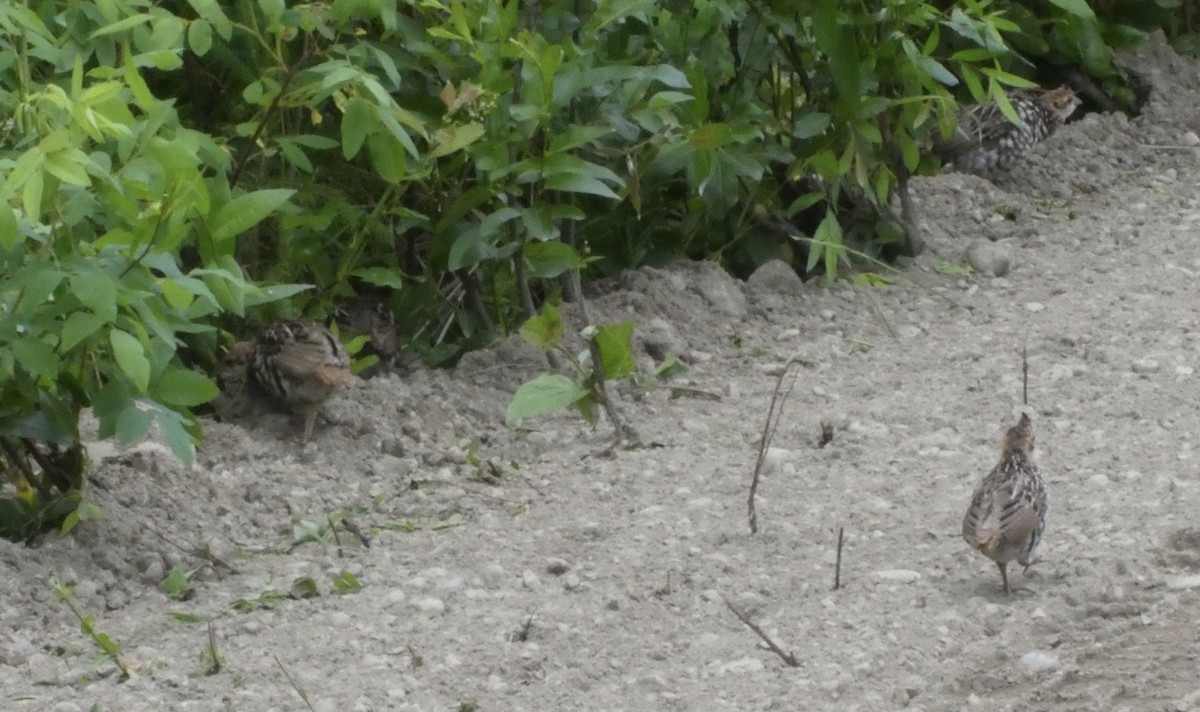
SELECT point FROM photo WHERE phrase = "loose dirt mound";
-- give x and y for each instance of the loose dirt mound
(539, 571)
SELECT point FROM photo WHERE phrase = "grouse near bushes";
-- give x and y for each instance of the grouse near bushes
(986, 140)
(1008, 510)
(371, 315)
(298, 363)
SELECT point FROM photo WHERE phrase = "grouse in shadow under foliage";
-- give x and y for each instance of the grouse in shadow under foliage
(296, 363)
(985, 140)
(1008, 510)
(371, 315)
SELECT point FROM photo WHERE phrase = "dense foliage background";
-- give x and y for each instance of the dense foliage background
(172, 173)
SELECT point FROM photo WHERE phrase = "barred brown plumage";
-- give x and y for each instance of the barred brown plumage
(986, 140)
(1008, 510)
(300, 363)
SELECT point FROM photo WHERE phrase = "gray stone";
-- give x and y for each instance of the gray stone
(776, 276)
(989, 258)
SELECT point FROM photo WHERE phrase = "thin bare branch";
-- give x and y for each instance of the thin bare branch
(774, 414)
(788, 658)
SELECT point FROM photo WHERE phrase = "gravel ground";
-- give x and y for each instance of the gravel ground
(540, 570)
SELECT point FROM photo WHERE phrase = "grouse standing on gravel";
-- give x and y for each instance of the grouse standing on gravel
(298, 363)
(986, 140)
(1008, 510)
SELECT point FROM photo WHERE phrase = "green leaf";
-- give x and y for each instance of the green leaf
(174, 430)
(387, 157)
(31, 195)
(358, 122)
(380, 276)
(131, 357)
(544, 394)
(455, 138)
(200, 37)
(38, 283)
(294, 154)
(953, 269)
(575, 183)
(805, 202)
(185, 617)
(36, 357)
(181, 386)
(177, 295)
(973, 55)
(576, 136)
(616, 349)
(1078, 8)
(97, 290)
(306, 530)
(132, 423)
(304, 587)
(79, 326)
(60, 165)
(10, 233)
(246, 211)
(974, 85)
(935, 69)
(839, 46)
(710, 137)
(811, 124)
(175, 585)
(209, 10)
(547, 260)
(121, 25)
(346, 582)
(545, 329)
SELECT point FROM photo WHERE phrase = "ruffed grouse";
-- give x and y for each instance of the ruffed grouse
(986, 140)
(371, 315)
(297, 363)
(1008, 510)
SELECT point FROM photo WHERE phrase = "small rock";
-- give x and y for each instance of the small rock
(530, 580)
(776, 458)
(988, 258)
(660, 339)
(431, 606)
(1145, 366)
(495, 575)
(1182, 582)
(115, 600)
(1189, 138)
(252, 627)
(556, 566)
(571, 582)
(495, 683)
(154, 572)
(897, 575)
(776, 276)
(1098, 480)
(1037, 661)
(1034, 307)
(724, 296)
(745, 665)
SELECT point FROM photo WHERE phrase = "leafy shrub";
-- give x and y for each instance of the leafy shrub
(104, 191)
